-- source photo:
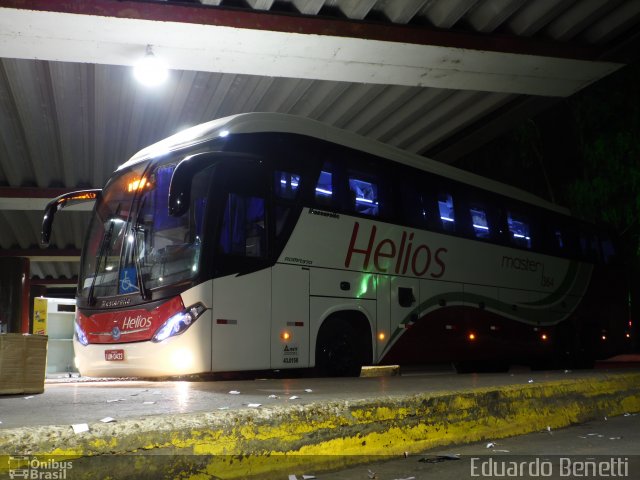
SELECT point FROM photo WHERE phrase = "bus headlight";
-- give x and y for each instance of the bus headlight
(178, 323)
(80, 335)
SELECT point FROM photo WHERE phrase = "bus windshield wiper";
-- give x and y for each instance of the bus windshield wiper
(101, 253)
(136, 258)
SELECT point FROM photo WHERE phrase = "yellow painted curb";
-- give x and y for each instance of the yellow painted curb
(268, 443)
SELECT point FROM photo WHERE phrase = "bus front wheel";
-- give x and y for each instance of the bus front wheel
(341, 349)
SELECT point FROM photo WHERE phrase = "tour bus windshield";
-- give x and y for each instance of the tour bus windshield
(133, 243)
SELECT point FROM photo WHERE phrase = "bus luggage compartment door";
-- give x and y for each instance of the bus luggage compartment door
(290, 316)
(241, 323)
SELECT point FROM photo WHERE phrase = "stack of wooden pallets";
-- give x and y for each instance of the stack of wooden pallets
(23, 361)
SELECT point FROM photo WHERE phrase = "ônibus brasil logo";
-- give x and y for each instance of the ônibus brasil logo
(34, 468)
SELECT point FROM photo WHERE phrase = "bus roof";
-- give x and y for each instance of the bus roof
(284, 123)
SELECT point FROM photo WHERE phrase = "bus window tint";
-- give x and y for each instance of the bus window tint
(479, 222)
(243, 227)
(286, 185)
(447, 215)
(519, 229)
(324, 188)
(365, 196)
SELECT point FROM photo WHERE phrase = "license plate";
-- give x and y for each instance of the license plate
(114, 355)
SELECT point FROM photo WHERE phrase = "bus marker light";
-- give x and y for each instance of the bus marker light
(604, 337)
(628, 335)
(223, 321)
(285, 336)
(471, 336)
(381, 336)
(544, 337)
(137, 184)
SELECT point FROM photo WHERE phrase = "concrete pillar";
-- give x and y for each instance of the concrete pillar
(14, 295)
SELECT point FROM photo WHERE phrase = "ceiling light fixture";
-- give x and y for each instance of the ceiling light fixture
(150, 71)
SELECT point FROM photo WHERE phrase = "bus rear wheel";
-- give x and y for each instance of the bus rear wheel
(341, 349)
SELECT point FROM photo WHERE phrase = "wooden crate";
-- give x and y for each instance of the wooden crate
(23, 360)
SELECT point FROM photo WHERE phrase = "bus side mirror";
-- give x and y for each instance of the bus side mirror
(180, 186)
(58, 203)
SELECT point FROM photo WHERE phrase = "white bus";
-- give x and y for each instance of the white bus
(267, 241)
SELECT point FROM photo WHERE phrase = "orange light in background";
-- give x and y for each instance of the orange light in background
(137, 184)
(84, 196)
(285, 336)
(471, 336)
(381, 336)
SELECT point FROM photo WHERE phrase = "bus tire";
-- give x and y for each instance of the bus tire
(341, 348)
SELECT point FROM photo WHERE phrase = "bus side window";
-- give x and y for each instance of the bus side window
(558, 240)
(570, 247)
(608, 249)
(286, 184)
(364, 196)
(589, 247)
(479, 222)
(519, 229)
(243, 226)
(324, 188)
(447, 214)
(286, 190)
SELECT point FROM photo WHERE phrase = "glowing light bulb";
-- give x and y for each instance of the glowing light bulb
(150, 71)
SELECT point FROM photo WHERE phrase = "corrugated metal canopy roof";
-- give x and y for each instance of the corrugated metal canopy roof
(435, 77)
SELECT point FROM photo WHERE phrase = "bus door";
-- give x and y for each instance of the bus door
(242, 277)
(290, 316)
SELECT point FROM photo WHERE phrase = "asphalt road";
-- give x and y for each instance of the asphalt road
(596, 450)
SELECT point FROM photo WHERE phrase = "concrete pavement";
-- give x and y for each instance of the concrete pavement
(201, 430)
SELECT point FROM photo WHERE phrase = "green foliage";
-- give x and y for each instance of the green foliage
(607, 123)
(609, 189)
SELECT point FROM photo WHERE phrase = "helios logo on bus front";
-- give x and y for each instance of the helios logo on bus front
(418, 259)
(138, 322)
